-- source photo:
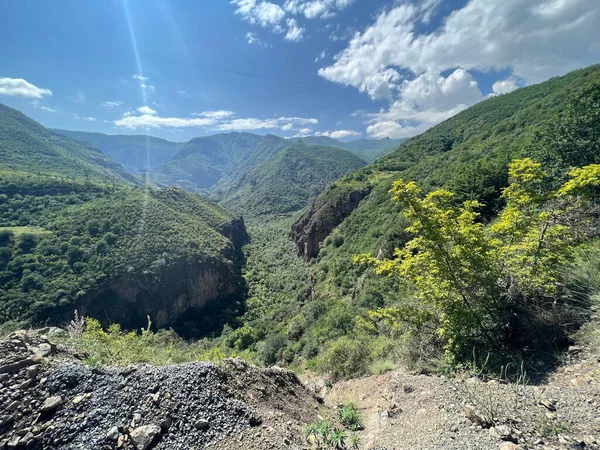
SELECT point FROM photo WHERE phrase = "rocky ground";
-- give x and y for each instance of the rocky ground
(49, 399)
(409, 411)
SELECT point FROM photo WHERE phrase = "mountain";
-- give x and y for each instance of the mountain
(287, 181)
(78, 232)
(465, 152)
(202, 162)
(132, 152)
(367, 149)
(28, 148)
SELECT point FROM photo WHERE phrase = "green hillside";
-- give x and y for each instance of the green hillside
(318, 314)
(286, 182)
(132, 152)
(367, 149)
(29, 148)
(202, 162)
(74, 234)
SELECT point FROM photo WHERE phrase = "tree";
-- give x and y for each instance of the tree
(474, 279)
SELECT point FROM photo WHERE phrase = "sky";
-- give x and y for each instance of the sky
(347, 69)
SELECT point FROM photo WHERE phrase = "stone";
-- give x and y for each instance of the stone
(502, 432)
(50, 404)
(113, 433)
(474, 416)
(44, 349)
(143, 436)
(18, 365)
(57, 333)
(508, 446)
(78, 399)
(33, 371)
(13, 406)
(548, 404)
(202, 424)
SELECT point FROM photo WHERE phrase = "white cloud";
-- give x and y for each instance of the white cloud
(139, 77)
(313, 9)
(294, 32)
(505, 86)
(46, 108)
(183, 93)
(217, 120)
(154, 121)
(91, 119)
(18, 87)
(252, 38)
(303, 132)
(110, 105)
(259, 124)
(263, 13)
(321, 56)
(219, 115)
(533, 39)
(147, 86)
(146, 110)
(338, 134)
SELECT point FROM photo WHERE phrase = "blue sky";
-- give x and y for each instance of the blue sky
(343, 68)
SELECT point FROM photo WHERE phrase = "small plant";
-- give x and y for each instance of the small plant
(338, 438)
(354, 442)
(349, 417)
(77, 326)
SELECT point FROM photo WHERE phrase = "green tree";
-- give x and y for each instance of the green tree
(473, 278)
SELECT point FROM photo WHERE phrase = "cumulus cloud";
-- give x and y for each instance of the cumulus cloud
(146, 110)
(505, 86)
(338, 134)
(263, 13)
(294, 32)
(110, 105)
(278, 19)
(534, 39)
(139, 77)
(312, 9)
(18, 87)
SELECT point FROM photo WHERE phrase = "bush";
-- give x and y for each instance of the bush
(345, 358)
(349, 417)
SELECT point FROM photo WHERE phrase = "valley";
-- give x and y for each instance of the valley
(238, 248)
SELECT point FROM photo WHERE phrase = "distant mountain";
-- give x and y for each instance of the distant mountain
(285, 182)
(367, 149)
(132, 152)
(26, 147)
(202, 162)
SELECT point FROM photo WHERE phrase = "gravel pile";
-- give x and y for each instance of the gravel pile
(53, 402)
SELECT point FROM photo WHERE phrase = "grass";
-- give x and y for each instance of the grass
(36, 231)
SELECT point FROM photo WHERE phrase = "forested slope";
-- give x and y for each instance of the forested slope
(286, 182)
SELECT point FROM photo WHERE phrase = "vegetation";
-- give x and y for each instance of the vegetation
(203, 161)
(31, 150)
(134, 153)
(286, 182)
(323, 435)
(349, 417)
(367, 149)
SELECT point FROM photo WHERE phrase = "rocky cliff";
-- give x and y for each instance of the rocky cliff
(323, 215)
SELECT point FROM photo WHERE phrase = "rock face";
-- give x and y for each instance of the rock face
(324, 214)
(71, 405)
(165, 298)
